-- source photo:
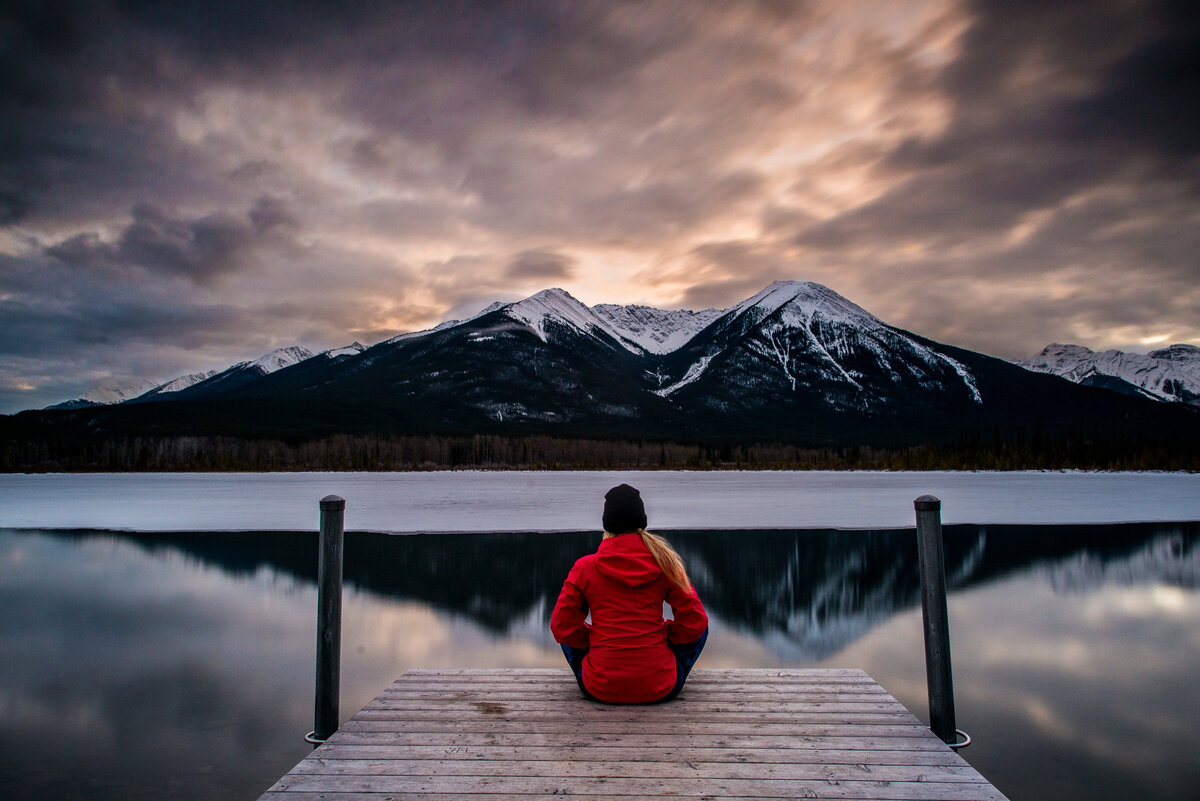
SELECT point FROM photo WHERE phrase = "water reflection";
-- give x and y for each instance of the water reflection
(180, 665)
(808, 593)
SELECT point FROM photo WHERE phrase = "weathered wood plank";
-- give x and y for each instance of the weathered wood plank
(697, 700)
(637, 769)
(700, 706)
(820, 716)
(571, 737)
(643, 787)
(502, 725)
(668, 753)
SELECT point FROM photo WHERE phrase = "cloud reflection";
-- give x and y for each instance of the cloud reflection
(183, 663)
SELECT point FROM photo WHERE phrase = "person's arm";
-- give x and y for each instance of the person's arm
(568, 622)
(690, 618)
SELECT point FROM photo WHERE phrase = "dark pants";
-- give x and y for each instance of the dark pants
(685, 658)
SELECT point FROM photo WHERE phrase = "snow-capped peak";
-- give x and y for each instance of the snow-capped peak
(551, 304)
(814, 336)
(804, 299)
(278, 359)
(560, 306)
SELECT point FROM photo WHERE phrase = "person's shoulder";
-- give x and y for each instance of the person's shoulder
(584, 563)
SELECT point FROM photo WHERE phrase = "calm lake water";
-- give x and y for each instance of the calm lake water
(180, 665)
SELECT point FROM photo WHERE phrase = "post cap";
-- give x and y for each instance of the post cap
(333, 503)
(927, 503)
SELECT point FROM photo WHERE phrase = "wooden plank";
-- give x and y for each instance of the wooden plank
(668, 753)
(488, 706)
(696, 699)
(733, 735)
(636, 768)
(889, 717)
(632, 726)
(695, 710)
(572, 737)
(642, 787)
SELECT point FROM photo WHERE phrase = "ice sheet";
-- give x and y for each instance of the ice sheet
(572, 501)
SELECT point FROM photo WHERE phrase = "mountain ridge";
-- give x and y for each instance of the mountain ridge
(795, 364)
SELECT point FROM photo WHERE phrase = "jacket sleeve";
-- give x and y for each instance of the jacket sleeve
(568, 621)
(690, 621)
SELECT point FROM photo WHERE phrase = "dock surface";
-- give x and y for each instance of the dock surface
(454, 735)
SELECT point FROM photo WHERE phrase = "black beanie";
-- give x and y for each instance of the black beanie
(623, 510)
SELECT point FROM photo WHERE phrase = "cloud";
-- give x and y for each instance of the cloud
(539, 265)
(345, 171)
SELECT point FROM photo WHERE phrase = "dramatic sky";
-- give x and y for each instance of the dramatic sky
(186, 184)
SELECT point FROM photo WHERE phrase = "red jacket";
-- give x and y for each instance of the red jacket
(628, 660)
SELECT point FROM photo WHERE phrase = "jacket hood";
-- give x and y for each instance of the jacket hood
(626, 559)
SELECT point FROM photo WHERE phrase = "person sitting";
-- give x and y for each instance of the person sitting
(629, 654)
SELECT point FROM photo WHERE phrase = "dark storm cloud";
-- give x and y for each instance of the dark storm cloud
(1151, 97)
(540, 265)
(199, 250)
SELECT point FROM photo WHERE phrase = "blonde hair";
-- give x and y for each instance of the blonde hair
(666, 558)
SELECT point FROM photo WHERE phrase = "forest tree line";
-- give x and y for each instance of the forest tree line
(369, 452)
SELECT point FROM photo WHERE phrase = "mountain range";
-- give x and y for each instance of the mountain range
(794, 363)
(1171, 374)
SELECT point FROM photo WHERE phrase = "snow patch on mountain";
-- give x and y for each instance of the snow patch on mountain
(425, 331)
(656, 331)
(183, 382)
(278, 359)
(965, 375)
(107, 392)
(1170, 374)
(350, 350)
(694, 372)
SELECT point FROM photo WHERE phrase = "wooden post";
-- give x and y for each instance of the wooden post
(329, 618)
(937, 620)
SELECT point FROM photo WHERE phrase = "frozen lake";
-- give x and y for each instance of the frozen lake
(474, 501)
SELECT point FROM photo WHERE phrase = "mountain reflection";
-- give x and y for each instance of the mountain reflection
(805, 593)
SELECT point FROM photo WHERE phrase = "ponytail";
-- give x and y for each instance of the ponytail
(667, 559)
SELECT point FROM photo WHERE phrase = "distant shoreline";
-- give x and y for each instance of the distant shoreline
(523, 501)
(430, 453)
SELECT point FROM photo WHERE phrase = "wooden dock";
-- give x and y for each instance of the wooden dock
(454, 735)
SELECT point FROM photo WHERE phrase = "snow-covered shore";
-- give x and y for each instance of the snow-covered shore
(571, 501)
